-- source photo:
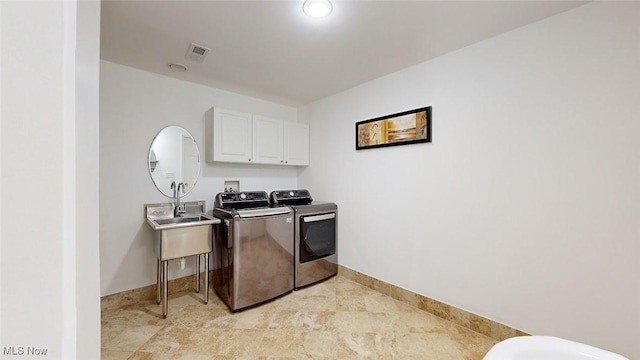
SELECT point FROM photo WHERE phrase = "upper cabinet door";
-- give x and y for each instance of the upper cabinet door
(296, 143)
(267, 140)
(231, 136)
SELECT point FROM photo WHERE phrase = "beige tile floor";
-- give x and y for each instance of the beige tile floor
(335, 319)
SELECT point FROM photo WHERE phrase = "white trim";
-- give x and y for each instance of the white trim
(69, 308)
(1, 207)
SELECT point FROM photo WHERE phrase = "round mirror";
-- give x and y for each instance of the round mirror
(174, 157)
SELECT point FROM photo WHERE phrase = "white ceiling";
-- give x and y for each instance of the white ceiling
(271, 50)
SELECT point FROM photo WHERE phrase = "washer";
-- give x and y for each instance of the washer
(253, 247)
(315, 235)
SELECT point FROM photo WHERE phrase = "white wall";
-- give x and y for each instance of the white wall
(524, 209)
(134, 106)
(49, 248)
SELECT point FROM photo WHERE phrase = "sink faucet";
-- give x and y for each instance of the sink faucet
(179, 208)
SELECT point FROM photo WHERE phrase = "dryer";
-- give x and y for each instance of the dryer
(315, 235)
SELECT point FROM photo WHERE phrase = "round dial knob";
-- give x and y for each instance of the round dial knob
(291, 193)
(243, 196)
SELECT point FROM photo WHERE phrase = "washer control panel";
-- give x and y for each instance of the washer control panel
(242, 200)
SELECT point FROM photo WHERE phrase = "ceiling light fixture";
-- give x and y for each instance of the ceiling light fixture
(177, 67)
(317, 8)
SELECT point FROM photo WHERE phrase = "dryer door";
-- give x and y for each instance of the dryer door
(317, 236)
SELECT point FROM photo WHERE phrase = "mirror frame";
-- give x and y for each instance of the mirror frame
(154, 164)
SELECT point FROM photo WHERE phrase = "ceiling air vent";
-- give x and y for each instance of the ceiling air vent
(197, 52)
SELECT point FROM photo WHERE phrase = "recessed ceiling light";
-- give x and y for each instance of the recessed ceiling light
(317, 8)
(177, 67)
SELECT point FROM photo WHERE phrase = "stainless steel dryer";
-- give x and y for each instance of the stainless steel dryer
(253, 250)
(315, 239)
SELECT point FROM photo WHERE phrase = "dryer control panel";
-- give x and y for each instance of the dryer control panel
(290, 197)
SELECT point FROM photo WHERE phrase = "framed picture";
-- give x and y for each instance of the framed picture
(409, 127)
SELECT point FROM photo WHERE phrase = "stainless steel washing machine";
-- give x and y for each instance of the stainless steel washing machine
(315, 235)
(253, 259)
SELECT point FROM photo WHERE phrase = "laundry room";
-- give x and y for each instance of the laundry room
(516, 214)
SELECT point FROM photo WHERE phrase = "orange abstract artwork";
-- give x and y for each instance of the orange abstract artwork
(409, 127)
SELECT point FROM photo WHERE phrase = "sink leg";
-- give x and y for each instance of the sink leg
(198, 273)
(165, 288)
(159, 281)
(206, 278)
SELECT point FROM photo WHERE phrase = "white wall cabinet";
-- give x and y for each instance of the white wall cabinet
(239, 137)
(229, 136)
(296, 143)
(267, 140)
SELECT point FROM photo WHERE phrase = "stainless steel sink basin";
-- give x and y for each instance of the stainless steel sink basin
(184, 221)
(182, 236)
(178, 237)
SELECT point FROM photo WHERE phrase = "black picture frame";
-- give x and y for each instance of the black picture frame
(404, 128)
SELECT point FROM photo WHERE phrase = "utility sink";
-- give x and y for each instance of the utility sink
(190, 234)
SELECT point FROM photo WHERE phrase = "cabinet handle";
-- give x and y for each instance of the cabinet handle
(249, 159)
(281, 161)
